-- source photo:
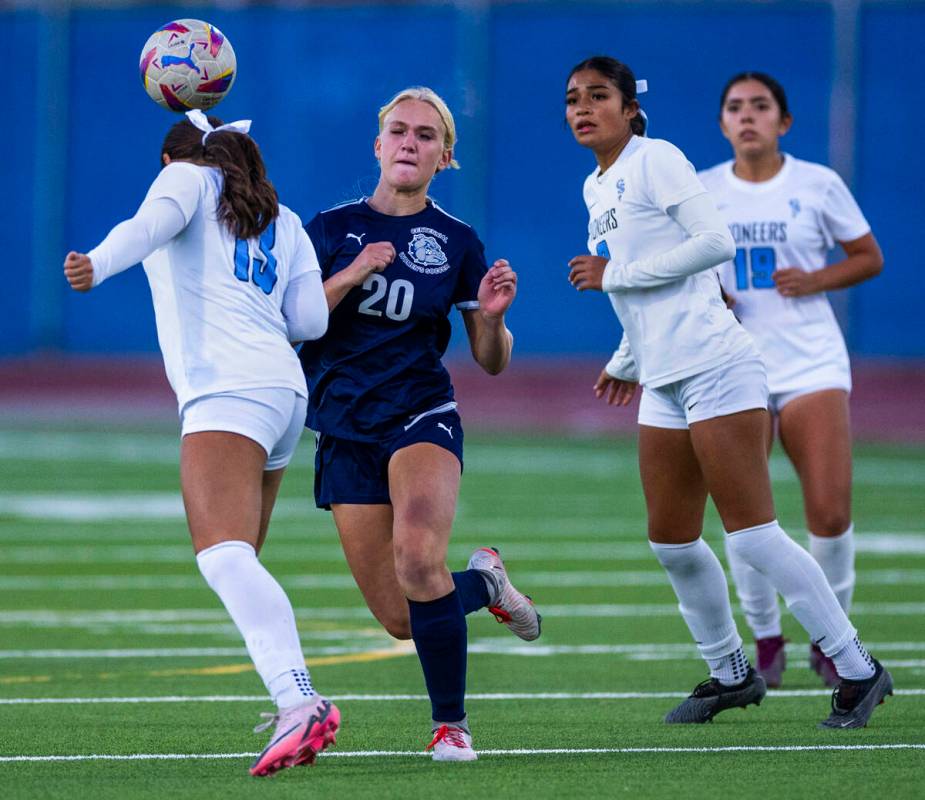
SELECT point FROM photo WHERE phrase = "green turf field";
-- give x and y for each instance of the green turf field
(101, 601)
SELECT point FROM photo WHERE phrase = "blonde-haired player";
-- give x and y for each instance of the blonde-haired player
(390, 440)
(785, 215)
(234, 279)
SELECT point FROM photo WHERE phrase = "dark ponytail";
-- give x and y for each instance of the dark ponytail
(248, 202)
(621, 76)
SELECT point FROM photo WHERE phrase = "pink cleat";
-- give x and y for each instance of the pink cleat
(772, 660)
(301, 733)
(823, 666)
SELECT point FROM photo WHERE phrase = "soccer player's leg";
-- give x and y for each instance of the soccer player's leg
(816, 434)
(730, 451)
(424, 485)
(224, 510)
(675, 499)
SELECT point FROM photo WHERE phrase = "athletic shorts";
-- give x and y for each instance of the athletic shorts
(777, 400)
(274, 418)
(727, 389)
(347, 471)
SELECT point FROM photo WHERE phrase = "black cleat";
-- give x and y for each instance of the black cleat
(854, 701)
(710, 697)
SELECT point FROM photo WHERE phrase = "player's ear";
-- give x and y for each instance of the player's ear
(377, 148)
(165, 159)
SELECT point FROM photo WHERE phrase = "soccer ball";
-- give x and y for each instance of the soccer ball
(187, 64)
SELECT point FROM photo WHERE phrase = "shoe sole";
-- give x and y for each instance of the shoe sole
(279, 755)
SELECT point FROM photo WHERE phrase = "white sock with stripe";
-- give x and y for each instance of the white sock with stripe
(703, 599)
(263, 614)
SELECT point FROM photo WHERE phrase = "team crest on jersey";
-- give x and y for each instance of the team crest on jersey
(794, 207)
(425, 254)
(621, 187)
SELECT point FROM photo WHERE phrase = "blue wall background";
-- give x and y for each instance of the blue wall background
(313, 78)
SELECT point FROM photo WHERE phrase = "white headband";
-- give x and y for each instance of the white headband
(201, 121)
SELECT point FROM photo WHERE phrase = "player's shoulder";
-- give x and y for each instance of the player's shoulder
(185, 174)
(811, 174)
(650, 149)
(288, 220)
(713, 176)
(447, 221)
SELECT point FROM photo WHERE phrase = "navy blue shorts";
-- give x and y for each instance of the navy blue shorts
(347, 471)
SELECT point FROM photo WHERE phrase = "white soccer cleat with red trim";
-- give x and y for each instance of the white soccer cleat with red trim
(452, 743)
(509, 606)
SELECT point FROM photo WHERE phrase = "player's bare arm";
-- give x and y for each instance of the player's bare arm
(490, 341)
(375, 257)
(863, 260)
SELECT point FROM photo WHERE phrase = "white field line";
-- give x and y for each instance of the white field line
(496, 646)
(908, 543)
(69, 619)
(571, 751)
(577, 579)
(388, 698)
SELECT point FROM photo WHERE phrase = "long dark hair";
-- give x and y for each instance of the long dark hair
(248, 203)
(773, 86)
(620, 76)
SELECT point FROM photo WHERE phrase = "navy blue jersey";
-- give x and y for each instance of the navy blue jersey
(379, 362)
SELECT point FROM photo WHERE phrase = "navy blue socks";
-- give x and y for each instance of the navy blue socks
(472, 590)
(438, 628)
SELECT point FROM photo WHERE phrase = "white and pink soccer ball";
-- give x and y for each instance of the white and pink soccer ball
(187, 64)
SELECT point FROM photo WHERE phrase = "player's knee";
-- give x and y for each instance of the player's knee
(398, 627)
(828, 522)
(415, 568)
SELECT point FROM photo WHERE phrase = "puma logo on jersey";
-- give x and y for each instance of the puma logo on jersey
(448, 430)
(358, 238)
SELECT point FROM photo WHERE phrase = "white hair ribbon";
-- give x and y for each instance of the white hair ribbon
(642, 87)
(201, 121)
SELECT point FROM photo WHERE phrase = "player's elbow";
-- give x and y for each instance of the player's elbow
(305, 330)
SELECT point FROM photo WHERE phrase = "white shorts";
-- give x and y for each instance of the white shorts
(274, 418)
(777, 400)
(726, 389)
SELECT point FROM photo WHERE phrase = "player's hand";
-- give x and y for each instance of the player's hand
(587, 272)
(614, 391)
(497, 289)
(375, 257)
(794, 282)
(78, 269)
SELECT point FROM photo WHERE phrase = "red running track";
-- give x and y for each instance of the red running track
(532, 396)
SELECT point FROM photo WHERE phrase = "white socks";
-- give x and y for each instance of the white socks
(795, 574)
(835, 555)
(700, 585)
(756, 596)
(263, 614)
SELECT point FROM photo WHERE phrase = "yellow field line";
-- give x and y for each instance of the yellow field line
(398, 650)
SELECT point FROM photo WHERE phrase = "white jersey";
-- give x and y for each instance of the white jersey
(791, 220)
(218, 300)
(682, 327)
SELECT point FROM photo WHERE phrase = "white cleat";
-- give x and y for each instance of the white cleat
(509, 606)
(452, 743)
